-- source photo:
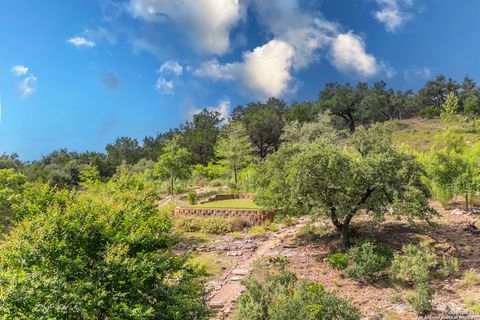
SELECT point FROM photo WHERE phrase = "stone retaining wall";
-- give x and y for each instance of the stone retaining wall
(252, 215)
(219, 197)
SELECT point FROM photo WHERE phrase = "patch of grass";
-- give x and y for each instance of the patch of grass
(471, 278)
(257, 230)
(473, 304)
(422, 134)
(229, 204)
(211, 262)
(395, 298)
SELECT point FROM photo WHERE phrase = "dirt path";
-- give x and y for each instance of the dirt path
(223, 299)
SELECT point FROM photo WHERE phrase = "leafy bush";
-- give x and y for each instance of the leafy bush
(367, 260)
(192, 197)
(105, 254)
(283, 297)
(338, 260)
(211, 225)
(188, 223)
(430, 112)
(414, 264)
(257, 230)
(421, 300)
(218, 225)
(448, 266)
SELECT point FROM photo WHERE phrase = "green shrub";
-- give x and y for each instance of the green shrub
(368, 259)
(192, 197)
(217, 225)
(188, 223)
(414, 264)
(338, 260)
(421, 300)
(104, 254)
(257, 230)
(282, 297)
(430, 112)
(448, 266)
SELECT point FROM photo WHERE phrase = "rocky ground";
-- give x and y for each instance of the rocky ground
(230, 259)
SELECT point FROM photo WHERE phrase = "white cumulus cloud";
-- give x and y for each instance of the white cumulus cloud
(349, 55)
(393, 13)
(19, 70)
(26, 86)
(81, 42)
(264, 71)
(164, 86)
(171, 66)
(206, 22)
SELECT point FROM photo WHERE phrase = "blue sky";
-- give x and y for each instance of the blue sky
(78, 74)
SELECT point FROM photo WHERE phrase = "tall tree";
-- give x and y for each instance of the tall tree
(234, 148)
(370, 176)
(450, 107)
(174, 163)
(124, 149)
(435, 92)
(344, 101)
(264, 123)
(200, 135)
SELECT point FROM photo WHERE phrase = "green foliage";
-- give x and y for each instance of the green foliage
(234, 149)
(450, 107)
(257, 230)
(173, 163)
(312, 232)
(421, 299)
(430, 112)
(320, 128)
(192, 197)
(210, 172)
(211, 225)
(323, 178)
(104, 254)
(283, 297)
(338, 260)
(264, 124)
(448, 266)
(200, 135)
(368, 259)
(471, 278)
(414, 264)
(472, 106)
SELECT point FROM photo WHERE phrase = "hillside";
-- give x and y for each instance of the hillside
(422, 134)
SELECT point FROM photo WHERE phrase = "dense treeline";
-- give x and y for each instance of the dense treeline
(264, 123)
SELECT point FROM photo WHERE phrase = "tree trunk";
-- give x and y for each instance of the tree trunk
(171, 185)
(466, 202)
(351, 125)
(342, 228)
(235, 176)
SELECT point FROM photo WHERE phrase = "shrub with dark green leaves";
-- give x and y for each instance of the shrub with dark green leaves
(368, 259)
(283, 297)
(105, 254)
(192, 197)
(338, 260)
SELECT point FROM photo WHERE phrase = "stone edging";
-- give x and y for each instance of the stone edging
(252, 215)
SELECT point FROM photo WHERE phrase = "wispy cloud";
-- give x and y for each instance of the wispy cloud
(223, 108)
(26, 86)
(393, 13)
(81, 42)
(164, 86)
(171, 66)
(19, 70)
